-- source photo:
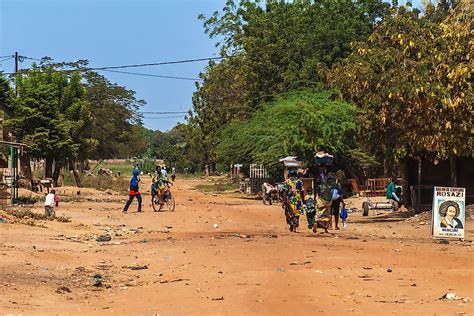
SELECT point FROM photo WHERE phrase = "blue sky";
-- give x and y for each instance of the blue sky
(117, 32)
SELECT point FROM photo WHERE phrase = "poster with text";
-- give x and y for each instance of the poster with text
(448, 218)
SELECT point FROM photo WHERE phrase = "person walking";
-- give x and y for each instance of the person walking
(49, 204)
(336, 200)
(293, 200)
(134, 192)
(173, 174)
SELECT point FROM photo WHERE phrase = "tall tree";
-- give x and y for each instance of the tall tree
(298, 123)
(116, 120)
(273, 47)
(51, 116)
(413, 81)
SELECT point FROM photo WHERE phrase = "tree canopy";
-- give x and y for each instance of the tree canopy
(51, 115)
(272, 48)
(297, 123)
(64, 112)
(412, 79)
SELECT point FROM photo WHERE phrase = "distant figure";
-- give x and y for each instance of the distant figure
(49, 205)
(155, 182)
(336, 200)
(268, 191)
(164, 173)
(173, 174)
(56, 200)
(134, 192)
(310, 209)
(392, 191)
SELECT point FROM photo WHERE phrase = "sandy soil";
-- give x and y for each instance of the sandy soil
(178, 263)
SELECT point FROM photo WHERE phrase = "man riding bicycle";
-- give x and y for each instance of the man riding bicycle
(159, 183)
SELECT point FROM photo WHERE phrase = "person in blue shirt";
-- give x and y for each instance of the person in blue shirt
(134, 192)
(336, 200)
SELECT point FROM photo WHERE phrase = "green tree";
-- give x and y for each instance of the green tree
(172, 146)
(298, 123)
(412, 80)
(5, 94)
(275, 47)
(51, 116)
(116, 121)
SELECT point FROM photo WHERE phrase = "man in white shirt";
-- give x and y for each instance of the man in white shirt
(164, 173)
(49, 204)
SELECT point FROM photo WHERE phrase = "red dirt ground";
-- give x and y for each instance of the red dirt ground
(250, 265)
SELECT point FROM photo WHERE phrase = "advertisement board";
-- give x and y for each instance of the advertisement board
(448, 218)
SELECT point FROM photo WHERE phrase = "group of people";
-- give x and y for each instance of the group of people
(158, 183)
(319, 211)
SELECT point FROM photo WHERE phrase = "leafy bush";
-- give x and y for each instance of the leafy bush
(297, 123)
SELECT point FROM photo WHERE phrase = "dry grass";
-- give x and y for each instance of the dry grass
(30, 215)
(120, 185)
(219, 185)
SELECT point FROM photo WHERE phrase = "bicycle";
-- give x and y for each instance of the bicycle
(165, 198)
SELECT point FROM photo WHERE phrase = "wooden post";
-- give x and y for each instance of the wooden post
(418, 197)
(454, 174)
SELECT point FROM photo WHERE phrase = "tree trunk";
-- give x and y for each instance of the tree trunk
(405, 182)
(72, 166)
(82, 165)
(454, 173)
(48, 167)
(386, 168)
(25, 166)
(57, 170)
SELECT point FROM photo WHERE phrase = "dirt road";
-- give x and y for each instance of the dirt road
(180, 264)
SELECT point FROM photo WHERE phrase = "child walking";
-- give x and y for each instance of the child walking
(49, 204)
(310, 209)
(134, 192)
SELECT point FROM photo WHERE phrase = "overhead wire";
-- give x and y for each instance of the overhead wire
(156, 64)
(146, 112)
(151, 75)
(25, 57)
(113, 68)
(163, 117)
(6, 58)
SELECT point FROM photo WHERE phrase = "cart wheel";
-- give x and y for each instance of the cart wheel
(365, 208)
(395, 206)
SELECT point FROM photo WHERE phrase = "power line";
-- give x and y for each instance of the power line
(25, 57)
(151, 75)
(163, 112)
(6, 58)
(163, 117)
(111, 68)
(156, 64)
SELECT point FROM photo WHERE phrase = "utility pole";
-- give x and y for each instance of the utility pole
(17, 63)
(13, 151)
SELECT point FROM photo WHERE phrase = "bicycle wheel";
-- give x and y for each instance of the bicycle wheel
(170, 203)
(156, 204)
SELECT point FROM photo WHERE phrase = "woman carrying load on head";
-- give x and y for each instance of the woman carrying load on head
(293, 199)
